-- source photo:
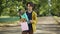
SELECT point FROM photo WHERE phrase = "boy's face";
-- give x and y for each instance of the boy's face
(21, 12)
(29, 7)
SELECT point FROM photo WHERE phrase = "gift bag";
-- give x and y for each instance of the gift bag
(24, 26)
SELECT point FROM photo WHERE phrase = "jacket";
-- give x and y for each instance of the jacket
(34, 18)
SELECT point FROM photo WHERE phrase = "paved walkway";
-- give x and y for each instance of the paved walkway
(43, 27)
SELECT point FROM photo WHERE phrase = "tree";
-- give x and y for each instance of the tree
(11, 7)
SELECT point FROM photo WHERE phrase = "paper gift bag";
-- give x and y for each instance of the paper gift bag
(24, 26)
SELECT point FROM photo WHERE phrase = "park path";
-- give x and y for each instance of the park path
(45, 25)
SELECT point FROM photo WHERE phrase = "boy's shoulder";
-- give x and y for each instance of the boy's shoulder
(34, 12)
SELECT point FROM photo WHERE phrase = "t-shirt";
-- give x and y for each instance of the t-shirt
(30, 18)
(29, 15)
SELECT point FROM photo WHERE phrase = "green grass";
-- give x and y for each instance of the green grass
(8, 19)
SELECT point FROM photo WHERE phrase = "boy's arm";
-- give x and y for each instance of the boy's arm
(34, 18)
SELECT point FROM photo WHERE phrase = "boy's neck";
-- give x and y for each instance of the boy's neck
(29, 11)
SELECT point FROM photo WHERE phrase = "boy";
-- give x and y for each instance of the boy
(23, 15)
(32, 17)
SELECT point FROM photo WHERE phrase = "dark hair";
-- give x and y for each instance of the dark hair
(31, 4)
(20, 13)
(19, 10)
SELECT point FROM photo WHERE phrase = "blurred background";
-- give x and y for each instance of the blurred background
(48, 13)
(42, 7)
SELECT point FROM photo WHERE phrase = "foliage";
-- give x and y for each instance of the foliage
(10, 7)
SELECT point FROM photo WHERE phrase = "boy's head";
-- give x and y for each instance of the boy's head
(21, 11)
(30, 5)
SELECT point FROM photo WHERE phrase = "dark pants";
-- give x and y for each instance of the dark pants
(30, 31)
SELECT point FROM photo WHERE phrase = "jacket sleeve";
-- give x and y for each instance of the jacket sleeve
(34, 18)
